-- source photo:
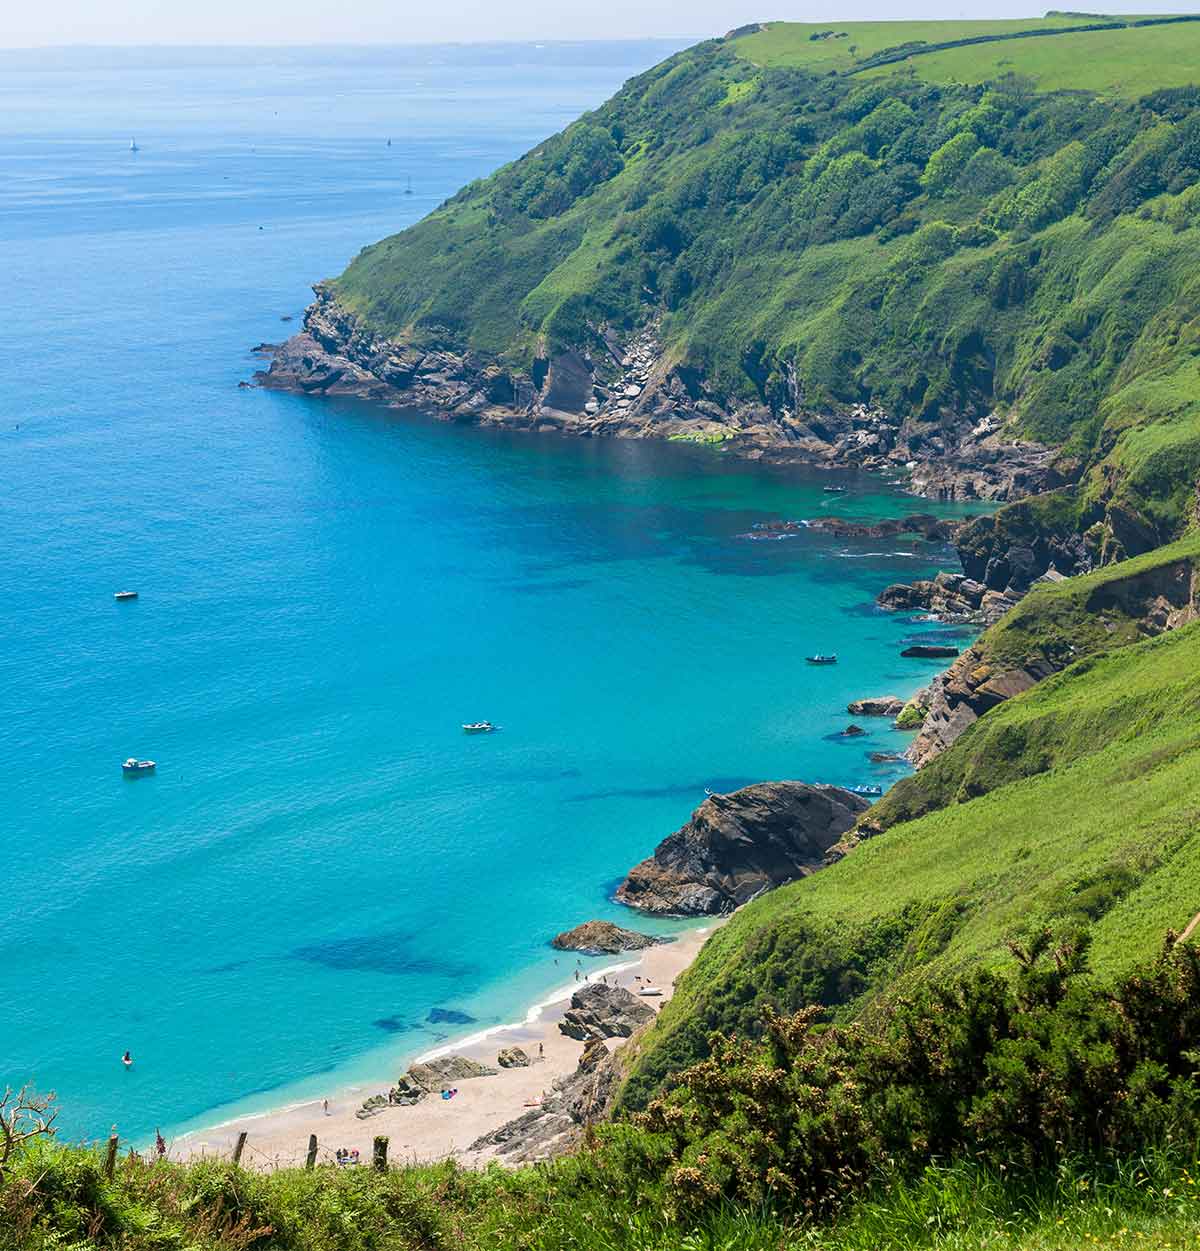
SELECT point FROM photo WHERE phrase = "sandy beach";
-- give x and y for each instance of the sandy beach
(436, 1129)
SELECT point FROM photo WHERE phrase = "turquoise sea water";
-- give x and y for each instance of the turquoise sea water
(328, 590)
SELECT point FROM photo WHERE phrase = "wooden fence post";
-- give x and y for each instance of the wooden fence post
(310, 1163)
(110, 1160)
(379, 1163)
(241, 1146)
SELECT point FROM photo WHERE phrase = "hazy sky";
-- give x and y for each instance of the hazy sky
(36, 22)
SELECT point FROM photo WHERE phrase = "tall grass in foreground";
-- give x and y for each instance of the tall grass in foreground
(57, 1197)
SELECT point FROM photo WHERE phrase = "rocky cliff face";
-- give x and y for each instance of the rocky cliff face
(1158, 599)
(634, 389)
(737, 845)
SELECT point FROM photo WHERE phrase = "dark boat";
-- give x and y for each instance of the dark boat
(125, 595)
(818, 659)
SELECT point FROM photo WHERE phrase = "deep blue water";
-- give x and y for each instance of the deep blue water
(327, 591)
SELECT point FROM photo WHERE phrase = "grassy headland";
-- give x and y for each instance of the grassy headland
(817, 217)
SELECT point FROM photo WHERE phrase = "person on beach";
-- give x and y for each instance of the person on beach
(325, 1106)
(541, 1052)
(160, 1143)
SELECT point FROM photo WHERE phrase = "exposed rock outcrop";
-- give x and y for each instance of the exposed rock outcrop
(555, 1125)
(929, 651)
(512, 1058)
(952, 598)
(737, 845)
(877, 706)
(600, 1010)
(603, 938)
(633, 387)
(434, 1074)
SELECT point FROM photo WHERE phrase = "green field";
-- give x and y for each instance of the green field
(1125, 62)
(787, 44)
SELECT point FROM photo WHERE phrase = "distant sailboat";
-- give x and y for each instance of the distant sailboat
(389, 143)
(133, 145)
(408, 188)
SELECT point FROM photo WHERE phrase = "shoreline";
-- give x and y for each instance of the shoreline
(437, 1129)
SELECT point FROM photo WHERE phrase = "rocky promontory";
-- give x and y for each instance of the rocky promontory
(740, 844)
(603, 938)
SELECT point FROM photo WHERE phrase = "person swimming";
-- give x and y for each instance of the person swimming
(127, 1059)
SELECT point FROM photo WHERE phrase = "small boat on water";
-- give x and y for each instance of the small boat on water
(133, 145)
(874, 791)
(479, 727)
(833, 490)
(125, 595)
(819, 659)
(133, 766)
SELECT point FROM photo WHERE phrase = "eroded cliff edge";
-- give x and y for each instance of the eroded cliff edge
(637, 390)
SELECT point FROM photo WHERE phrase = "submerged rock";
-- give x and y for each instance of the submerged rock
(599, 1010)
(603, 938)
(449, 1016)
(737, 845)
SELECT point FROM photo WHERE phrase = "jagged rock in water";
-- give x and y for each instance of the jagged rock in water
(599, 1010)
(853, 731)
(929, 651)
(877, 706)
(434, 1074)
(512, 1058)
(603, 938)
(737, 845)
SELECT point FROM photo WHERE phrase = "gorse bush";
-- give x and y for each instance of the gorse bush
(1019, 1073)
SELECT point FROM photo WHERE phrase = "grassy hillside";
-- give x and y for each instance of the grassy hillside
(1005, 227)
(1088, 816)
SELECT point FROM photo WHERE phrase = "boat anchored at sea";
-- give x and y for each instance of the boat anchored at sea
(133, 767)
(126, 595)
(819, 659)
(479, 727)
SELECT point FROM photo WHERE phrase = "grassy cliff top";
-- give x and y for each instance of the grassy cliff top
(1108, 54)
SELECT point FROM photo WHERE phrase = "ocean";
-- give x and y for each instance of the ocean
(323, 861)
